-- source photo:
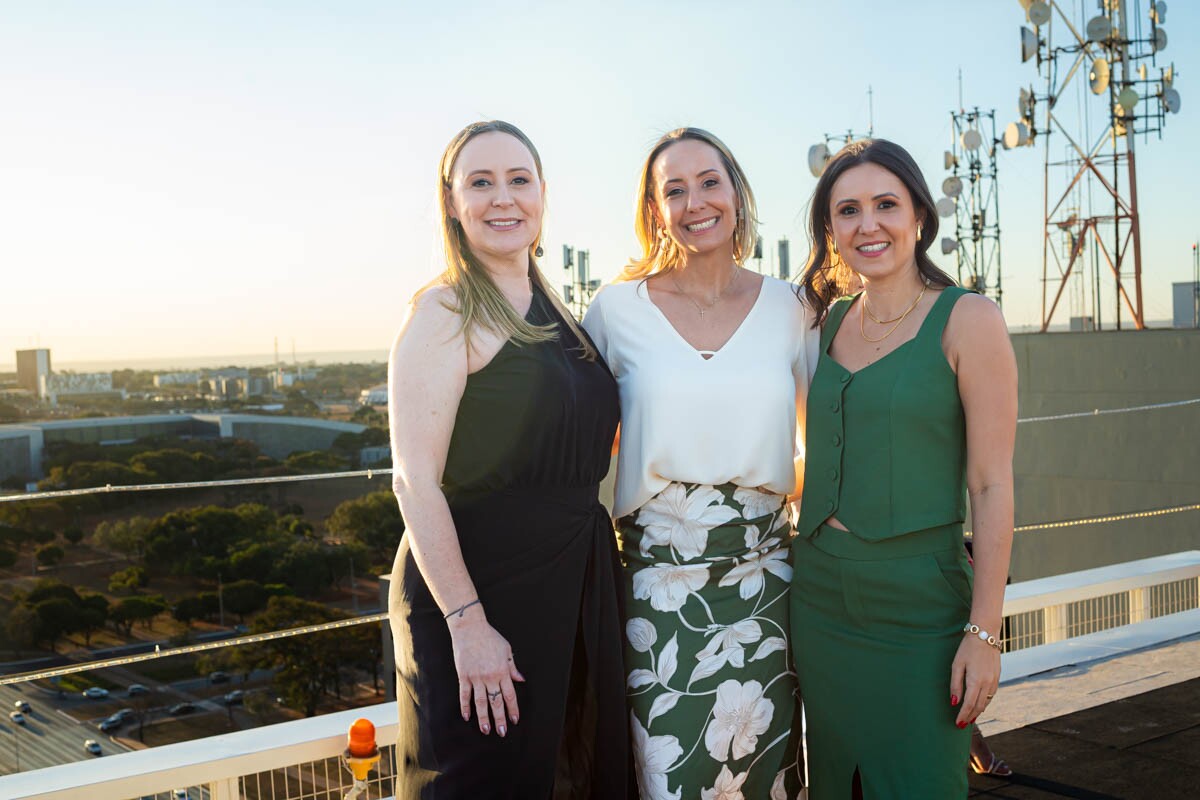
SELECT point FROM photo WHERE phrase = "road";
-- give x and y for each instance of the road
(48, 736)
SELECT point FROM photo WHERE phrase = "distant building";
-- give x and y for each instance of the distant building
(78, 385)
(375, 396)
(1186, 303)
(32, 366)
(177, 379)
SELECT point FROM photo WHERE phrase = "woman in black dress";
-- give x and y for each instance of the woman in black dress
(503, 604)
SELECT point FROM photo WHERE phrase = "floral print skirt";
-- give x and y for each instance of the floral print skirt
(714, 708)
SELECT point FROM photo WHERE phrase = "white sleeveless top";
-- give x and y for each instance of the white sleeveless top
(727, 419)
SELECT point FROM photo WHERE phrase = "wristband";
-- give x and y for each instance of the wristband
(983, 635)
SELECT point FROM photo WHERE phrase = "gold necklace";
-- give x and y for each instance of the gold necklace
(862, 318)
(715, 300)
(876, 319)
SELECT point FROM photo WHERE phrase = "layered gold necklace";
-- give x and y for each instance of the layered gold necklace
(895, 323)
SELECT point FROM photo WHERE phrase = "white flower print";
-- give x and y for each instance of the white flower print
(653, 757)
(739, 633)
(682, 520)
(756, 503)
(667, 586)
(779, 786)
(750, 572)
(727, 787)
(641, 634)
(740, 714)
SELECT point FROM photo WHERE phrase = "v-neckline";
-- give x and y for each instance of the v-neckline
(893, 351)
(643, 286)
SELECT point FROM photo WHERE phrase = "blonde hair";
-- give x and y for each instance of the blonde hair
(478, 301)
(659, 250)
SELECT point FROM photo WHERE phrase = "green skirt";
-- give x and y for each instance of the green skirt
(880, 623)
(714, 707)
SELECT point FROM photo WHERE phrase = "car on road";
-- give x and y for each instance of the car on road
(92, 746)
(135, 689)
(95, 693)
(218, 677)
(235, 698)
(17, 717)
(23, 705)
(109, 723)
(181, 708)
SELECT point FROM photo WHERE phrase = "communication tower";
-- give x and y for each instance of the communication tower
(1114, 51)
(971, 196)
(577, 292)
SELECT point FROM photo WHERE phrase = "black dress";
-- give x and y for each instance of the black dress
(531, 443)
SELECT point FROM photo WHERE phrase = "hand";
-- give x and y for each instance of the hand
(486, 670)
(974, 678)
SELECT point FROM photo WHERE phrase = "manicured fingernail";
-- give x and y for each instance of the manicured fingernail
(974, 718)
(488, 728)
(961, 725)
(501, 730)
(953, 699)
(466, 717)
(514, 718)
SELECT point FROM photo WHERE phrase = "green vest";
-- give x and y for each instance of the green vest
(886, 446)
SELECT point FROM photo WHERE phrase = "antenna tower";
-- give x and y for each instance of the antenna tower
(972, 198)
(1112, 53)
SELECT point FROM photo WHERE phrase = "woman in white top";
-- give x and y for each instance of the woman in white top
(712, 362)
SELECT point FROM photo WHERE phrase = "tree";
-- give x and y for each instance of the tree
(127, 537)
(372, 520)
(49, 554)
(305, 568)
(93, 613)
(22, 626)
(304, 665)
(134, 609)
(316, 461)
(128, 580)
(7, 558)
(73, 535)
(244, 597)
(194, 607)
(56, 618)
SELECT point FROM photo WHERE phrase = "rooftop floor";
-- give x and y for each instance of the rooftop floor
(1127, 727)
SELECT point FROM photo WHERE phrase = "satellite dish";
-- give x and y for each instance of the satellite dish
(1024, 102)
(1099, 75)
(971, 140)
(818, 157)
(1171, 100)
(1160, 40)
(1099, 29)
(1128, 99)
(952, 186)
(948, 160)
(1158, 12)
(948, 245)
(1029, 44)
(1039, 12)
(1016, 135)
(945, 207)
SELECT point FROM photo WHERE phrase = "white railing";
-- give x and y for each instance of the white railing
(1066, 619)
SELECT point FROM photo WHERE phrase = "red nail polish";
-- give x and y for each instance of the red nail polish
(953, 699)
(961, 725)
(973, 719)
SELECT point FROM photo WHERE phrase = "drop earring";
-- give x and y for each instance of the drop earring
(539, 252)
(918, 231)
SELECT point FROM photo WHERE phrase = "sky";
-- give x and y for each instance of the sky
(190, 179)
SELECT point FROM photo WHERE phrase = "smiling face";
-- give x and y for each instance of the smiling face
(694, 198)
(497, 196)
(873, 221)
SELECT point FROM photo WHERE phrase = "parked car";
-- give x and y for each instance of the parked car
(124, 714)
(95, 693)
(135, 689)
(235, 698)
(17, 717)
(218, 677)
(110, 723)
(23, 705)
(92, 746)
(181, 708)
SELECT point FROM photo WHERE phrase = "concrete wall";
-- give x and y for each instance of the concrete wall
(1106, 464)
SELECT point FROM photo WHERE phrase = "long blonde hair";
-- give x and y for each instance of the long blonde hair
(659, 250)
(478, 301)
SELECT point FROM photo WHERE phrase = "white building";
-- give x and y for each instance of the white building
(177, 379)
(375, 396)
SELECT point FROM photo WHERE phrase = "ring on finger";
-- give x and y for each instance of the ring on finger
(493, 695)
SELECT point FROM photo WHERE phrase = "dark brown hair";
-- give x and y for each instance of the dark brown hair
(825, 279)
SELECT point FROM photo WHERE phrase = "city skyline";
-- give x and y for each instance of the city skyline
(191, 182)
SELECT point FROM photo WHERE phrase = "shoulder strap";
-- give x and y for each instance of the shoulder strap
(833, 320)
(935, 322)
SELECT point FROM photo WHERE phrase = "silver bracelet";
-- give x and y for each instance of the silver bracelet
(463, 609)
(983, 635)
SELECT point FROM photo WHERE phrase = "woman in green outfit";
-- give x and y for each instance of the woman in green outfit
(912, 408)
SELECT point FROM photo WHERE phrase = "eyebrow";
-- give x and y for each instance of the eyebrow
(876, 197)
(698, 174)
(509, 171)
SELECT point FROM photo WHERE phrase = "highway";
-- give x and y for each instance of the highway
(49, 736)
